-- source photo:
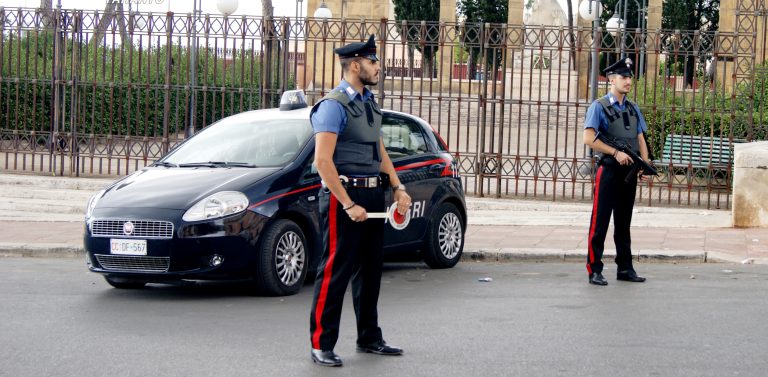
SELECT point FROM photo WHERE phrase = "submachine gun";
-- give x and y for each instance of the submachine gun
(637, 162)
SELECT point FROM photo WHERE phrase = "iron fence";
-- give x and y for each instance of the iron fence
(85, 94)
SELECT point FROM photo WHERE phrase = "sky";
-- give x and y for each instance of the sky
(282, 7)
(249, 7)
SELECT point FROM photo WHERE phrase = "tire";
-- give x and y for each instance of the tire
(124, 283)
(283, 259)
(445, 240)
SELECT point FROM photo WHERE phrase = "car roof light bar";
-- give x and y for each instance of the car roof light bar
(292, 100)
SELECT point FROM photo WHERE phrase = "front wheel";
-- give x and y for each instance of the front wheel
(445, 241)
(283, 259)
(124, 283)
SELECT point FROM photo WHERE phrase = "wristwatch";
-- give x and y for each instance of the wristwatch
(398, 187)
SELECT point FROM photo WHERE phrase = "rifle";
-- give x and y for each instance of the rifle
(637, 162)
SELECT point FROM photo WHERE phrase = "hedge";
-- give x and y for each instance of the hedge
(122, 91)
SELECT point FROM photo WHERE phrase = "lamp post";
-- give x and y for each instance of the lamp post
(193, 71)
(590, 10)
(299, 8)
(226, 7)
(617, 26)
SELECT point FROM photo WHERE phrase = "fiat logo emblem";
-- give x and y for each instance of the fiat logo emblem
(128, 228)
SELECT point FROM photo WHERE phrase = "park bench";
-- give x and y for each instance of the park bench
(698, 157)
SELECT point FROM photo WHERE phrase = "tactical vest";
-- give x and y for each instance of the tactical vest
(357, 147)
(622, 125)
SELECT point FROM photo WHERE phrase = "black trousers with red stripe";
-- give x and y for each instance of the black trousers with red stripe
(351, 250)
(612, 196)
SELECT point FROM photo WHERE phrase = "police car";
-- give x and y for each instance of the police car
(239, 200)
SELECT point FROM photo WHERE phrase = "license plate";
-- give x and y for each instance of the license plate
(127, 247)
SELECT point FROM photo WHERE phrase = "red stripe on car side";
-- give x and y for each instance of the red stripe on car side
(326, 273)
(282, 195)
(420, 164)
(594, 220)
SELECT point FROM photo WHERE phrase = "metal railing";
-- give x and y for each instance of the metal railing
(77, 102)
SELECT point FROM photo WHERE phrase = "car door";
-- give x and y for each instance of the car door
(417, 164)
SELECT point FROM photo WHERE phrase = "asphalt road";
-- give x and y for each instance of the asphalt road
(57, 319)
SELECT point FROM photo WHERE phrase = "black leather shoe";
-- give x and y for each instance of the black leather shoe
(380, 348)
(326, 358)
(629, 275)
(597, 279)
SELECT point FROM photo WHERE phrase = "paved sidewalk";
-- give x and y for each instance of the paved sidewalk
(499, 230)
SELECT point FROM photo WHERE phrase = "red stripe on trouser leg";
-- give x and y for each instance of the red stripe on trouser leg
(332, 209)
(594, 220)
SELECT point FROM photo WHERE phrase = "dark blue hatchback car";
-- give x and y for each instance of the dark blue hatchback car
(239, 201)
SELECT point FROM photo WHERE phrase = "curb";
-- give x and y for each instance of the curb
(40, 250)
(505, 255)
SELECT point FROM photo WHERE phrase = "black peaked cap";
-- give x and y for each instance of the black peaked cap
(359, 49)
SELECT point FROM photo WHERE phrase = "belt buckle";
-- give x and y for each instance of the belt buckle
(372, 181)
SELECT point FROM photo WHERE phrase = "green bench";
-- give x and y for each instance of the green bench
(698, 156)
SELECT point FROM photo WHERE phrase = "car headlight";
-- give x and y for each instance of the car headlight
(92, 203)
(220, 204)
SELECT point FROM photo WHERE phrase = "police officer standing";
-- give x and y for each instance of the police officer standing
(615, 116)
(355, 169)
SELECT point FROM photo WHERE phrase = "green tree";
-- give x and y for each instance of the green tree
(476, 13)
(422, 39)
(689, 15)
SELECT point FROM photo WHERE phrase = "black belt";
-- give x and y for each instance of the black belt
(361, 182)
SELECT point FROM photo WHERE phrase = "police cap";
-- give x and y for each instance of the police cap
(622, 67)
(359, 49)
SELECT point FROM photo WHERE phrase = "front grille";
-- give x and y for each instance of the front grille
(141, 229)
(133, 263)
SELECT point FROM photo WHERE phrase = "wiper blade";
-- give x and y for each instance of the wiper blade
(238, 164)
(166, 164)
(218, 164)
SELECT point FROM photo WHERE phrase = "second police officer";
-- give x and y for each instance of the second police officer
(615, 116)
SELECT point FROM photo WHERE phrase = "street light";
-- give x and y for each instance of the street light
(323, 11)
(617, 26)
(226, 7)
(590, 10)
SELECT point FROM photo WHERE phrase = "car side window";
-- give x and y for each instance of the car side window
(310, 170)
(402, 137)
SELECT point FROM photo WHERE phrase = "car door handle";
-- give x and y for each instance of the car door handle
(437, 167)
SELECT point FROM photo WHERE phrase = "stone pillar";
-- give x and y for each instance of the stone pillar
(515, 12)
(584, 34)
(322, 66)
(727, 24)
(655, 8)
(750, 193)
(445, 51)
(514, 23)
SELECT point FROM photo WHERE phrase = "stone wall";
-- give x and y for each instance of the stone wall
(750, 185)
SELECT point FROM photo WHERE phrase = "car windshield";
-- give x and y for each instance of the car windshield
(240, 142)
